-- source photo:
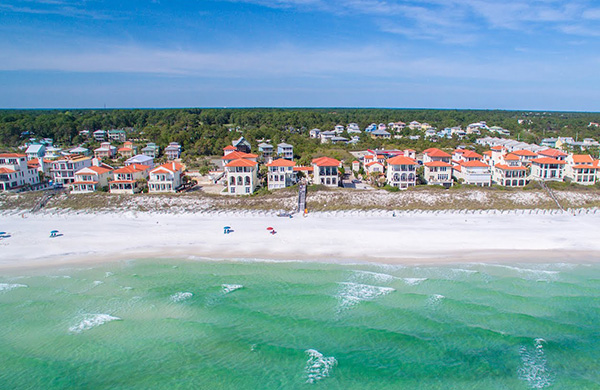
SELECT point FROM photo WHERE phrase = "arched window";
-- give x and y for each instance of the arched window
(411, 177)
(247, 180)
(240, 181)
(396, 177)
(232, 181)
(403, 177)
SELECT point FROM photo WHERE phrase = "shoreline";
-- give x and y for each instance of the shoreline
(359, 237)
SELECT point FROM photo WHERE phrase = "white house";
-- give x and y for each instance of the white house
(401, 172)
(35, 151)
(466, 155)
(229, 149)
(436, 155)
(315, 133)
(281, 174)
(63, 170)
(326, 136)
(355, 166)
(474, 172)
(375, 167)
(15, 172)
(127, 179)
(99, 135)
(325, 171)
(266, 151)
(525, 156)
(242, 176)
(90, 179)
(166, 177)
(438, 173)
(581, 169)
(553, 153)
(547, 169)
(117, 135)
(229, 157)
(510, 171)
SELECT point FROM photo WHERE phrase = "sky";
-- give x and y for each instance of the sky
(481, 54)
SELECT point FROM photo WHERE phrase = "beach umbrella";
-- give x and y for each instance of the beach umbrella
(226, 227)
(269, 228)
(54, 232)
(2, 233)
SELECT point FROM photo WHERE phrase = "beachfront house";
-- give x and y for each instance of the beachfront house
(466, 155)
(436, 155)
(173, 151)
(547, 169)
(473, 172)
(401, 172)
(242, 175)
(325, 171)
(510, 171)
(553, 153)
(374, 168)
(438, 173)
(355, 166)
(281, 174)
(151, 150)
(106, 150)
(63, 170)
(285, 151)
(229, 149)
(140, 159)
(166, 177)
(129, 179)
(16, 173)
(35, 151)
(525, 155)
(581, 169)
(90, 179)
(236, 156)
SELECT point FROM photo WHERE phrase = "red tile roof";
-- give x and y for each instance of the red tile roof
(474, 163)
(11, 155)
(525, 153)
(434, 152)
(282, 162)
(401, 160)
(583, 166)
(511, 157)
(437, 164)
(133, 168)
(326, 162)
(373, 163)
(242, 162)
(309, 169)
(168, 167)
(582, 158)
(6, 170)
(229, 147)
(509, 168)
(547, 160)
(236, 155)
(99, 170)
(552, 153)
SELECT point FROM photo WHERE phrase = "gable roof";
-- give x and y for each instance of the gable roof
(133, 168)
(168, 167)
(552, 153)
(434, 152)
(437, 164)
(547, 160)
(525, 153)
(511, 157)
(237, 155)
(582, 158)
(474, 164)
(11, 155)
(505, 167)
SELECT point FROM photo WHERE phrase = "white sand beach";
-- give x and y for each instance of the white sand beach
(374, 237)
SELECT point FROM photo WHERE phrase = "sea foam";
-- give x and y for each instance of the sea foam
(227, 288)
(372, 276)
(350, 294)
(534, 368)
(8, 286)
(181, 296)
(413, 281)
(91, 321)
(318, 366)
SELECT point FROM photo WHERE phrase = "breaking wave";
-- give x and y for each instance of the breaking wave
(8, 286)
(435, 300)
(91, 321)
(413, 281)
(372, 276)
(534, 368)
(227, 288)
(351, 294)
(181, 296)
(318, 366)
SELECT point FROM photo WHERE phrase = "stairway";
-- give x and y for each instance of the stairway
(301, 196)
(549, 191)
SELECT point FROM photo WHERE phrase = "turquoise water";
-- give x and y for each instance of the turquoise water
(184, 324)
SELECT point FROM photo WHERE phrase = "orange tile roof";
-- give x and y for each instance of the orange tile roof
(242, 162)
(547, 160)
(474, 163)
(229, 147)
(373, 163)
(509, 168)
(133, 168)
(583, 166)
(7, 170)
(433, 152)
(472, 154)
(401, 160)
(552, 153)
(497, 147)
(380, 156)
(168, 167)
(326, 162)
(99, 170)
(282, 162)
(11, 155)
(437, 164)
(511, 157)
(525, 153)
(487, 153)
(85, 182)
(582, 158)
(237, 155)
(125, 148)
(303, 168)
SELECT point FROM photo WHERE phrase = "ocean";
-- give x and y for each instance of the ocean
(200, 324)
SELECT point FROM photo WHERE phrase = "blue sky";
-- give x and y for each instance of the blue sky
(511, 54)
